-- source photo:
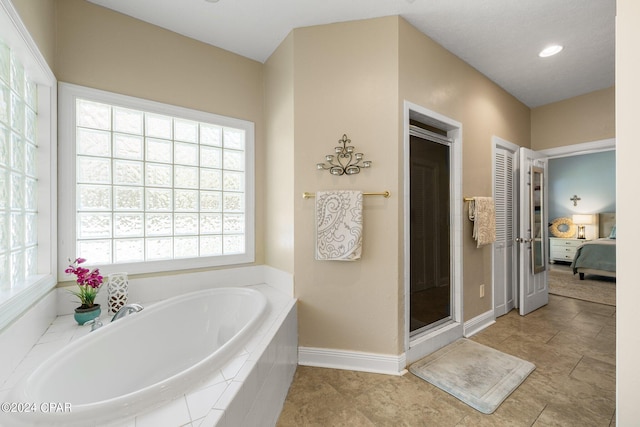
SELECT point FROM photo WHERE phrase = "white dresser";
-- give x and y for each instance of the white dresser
(563, 249)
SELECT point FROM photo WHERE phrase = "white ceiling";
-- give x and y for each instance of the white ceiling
(500, 38)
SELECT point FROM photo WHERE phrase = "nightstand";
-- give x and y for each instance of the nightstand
(563, 249)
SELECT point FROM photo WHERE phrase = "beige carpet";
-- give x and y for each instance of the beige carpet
(480, 376)
(593, 288)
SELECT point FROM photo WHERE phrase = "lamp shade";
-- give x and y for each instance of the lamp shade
(583, 219)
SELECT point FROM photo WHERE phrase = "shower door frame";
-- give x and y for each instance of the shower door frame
(419, 345)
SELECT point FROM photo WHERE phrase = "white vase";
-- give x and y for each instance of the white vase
(118, 291)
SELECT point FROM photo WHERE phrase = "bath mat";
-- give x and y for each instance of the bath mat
(480, 376)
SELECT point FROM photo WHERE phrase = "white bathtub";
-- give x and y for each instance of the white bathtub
(139, 361)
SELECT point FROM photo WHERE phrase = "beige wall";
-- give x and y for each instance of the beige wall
(39, 18)
(627, 178)
(433, 78)
(99, 48)
(585, 118)
(279, 159)
(353, 78)
(346, 83)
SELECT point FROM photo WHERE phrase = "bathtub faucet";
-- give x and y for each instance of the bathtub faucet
(127, 310)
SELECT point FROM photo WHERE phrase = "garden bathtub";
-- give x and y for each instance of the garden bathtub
(140, 361)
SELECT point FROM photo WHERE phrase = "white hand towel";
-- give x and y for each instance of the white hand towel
(482, 212)
(338, 225)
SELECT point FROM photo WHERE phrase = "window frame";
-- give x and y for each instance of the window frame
(18, 299)
(68, 94)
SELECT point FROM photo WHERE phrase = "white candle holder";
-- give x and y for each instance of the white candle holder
(118, 291)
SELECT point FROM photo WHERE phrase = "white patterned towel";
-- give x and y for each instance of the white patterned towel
(338, 225)
(482, 212)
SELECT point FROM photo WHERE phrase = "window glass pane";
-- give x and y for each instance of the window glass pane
(185, 247)
(94, 197)
(5, 59)
(17, 114)
(158, 175)
(186, 200)
(233, 202)
(159, 224)
(4, 231)
(210, 179)
(31, 224)
(17, 76)
(159, 126)
(211, 223)
(158, 249)
(4, 146)
(210, 157)
(234, 138)
(210, 245)
(93, 115)
(186, 177)
(94, 170)
(233, 181)
(93, 142)
(31, 160)
(186, 224)
(153, 187)
(30, 128)
(128, 172)
(94, 225)
(4, 103)
(158, 199)
(186, 130)
(186, 154)
(128, 225)
(233, 244)
(17, 152)
(4, 189)
(128, 198)
(127, 121)
(233, 160)
(159, 151)
(127, 146)
(210, 135)
(129, 250)
(211, 201)
(98, 251)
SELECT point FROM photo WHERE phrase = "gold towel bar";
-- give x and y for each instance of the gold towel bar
(386, 194)
(468, 199)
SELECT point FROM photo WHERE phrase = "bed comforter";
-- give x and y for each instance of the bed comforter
(599, 254)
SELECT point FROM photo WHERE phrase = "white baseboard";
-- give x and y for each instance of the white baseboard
(478, 323)
(352, 360)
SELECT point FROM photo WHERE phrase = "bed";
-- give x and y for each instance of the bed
(598, 256)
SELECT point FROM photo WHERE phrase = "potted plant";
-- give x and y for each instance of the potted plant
(89, 283)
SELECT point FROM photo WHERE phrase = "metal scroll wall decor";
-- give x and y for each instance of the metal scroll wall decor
(345, 161)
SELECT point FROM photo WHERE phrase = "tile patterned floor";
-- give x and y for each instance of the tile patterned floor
(571, 342)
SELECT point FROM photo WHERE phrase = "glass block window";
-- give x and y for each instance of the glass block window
(152, 186)
(18, 172)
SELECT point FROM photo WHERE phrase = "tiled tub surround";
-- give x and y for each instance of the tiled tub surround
(249, 389)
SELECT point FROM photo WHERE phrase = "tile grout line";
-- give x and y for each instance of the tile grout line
(576, 365)
(538, 417)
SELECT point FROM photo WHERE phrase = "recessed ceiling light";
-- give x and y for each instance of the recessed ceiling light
(550, 51)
